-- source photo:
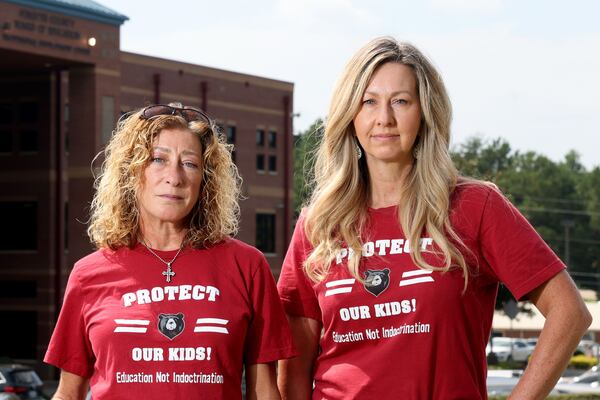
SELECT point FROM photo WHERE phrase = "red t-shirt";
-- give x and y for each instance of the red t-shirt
(138, 336)
(408, 333)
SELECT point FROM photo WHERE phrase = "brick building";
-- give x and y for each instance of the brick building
(63, 84)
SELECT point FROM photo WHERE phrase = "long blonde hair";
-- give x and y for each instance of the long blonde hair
(114, 219)
(337, 211)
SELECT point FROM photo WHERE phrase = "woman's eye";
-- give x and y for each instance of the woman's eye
(157, 160)
(189, 164)
(401, 101)
(368, 101)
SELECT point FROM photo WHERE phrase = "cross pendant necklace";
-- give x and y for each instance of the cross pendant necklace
(169, 272)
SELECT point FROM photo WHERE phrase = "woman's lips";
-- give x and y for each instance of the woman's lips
(170, 197)
(385, 136)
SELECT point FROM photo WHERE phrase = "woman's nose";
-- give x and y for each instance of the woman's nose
(385, 115)
(174, 174)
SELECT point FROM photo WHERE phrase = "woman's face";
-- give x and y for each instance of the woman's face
(388, 121)
(171, 183)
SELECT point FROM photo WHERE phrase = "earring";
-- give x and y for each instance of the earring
(358, 151)
(416, 153)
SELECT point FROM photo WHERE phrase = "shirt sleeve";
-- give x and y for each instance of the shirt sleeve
(295, 289)
(70, 348)
(269, 336)
(516, 253)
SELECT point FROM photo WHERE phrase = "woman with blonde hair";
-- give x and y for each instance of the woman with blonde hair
(391, 277)
(169, 306)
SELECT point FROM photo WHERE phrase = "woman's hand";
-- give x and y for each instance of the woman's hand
(295, 376)
(567, 319)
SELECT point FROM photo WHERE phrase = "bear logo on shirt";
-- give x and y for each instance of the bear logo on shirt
(171, 325)
(376, 281)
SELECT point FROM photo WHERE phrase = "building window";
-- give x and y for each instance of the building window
(28, 140)
(272, 163)
(7, 115)
(260, 137)
(18, 289)
(265, 232)
(21, 217)
(22, 345)
(260, 162)
(231, 134)
(6, 141)
(28, 112)
(272, 139)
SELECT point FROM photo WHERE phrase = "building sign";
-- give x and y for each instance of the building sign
(46, 31)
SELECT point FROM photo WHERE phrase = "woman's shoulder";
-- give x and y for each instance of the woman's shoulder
(91, 259)
(99, 258)
(238, 247)
(469, 202)
(235, 255)
(473, 191)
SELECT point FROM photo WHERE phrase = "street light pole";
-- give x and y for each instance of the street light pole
(568, 224)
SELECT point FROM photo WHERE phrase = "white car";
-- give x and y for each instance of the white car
(588, 382)
(500, 382)
(509, 349)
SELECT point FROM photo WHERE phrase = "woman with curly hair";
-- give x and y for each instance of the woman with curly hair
(169, 306)
(391, 277)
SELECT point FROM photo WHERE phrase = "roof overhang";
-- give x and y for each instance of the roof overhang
(76, 8)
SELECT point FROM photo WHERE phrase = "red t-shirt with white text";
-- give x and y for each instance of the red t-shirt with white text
(138, 336)
(408, 333)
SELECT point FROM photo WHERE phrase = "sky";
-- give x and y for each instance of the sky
(526, 71)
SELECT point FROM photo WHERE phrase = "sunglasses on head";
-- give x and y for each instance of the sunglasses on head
(190, 114)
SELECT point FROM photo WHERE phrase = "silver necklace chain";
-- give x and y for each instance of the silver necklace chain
(168, 273)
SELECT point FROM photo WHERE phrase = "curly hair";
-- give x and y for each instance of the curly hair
(114, 216)
(337, 211)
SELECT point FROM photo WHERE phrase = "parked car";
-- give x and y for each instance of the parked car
(588, 348)
(585, 347)
(531, 341)
(587, 376)
(502, 382)
(588, 382)
(21, 381)
(509, 349)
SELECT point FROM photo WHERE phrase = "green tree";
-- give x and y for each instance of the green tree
(305, 145)
(589, 189)
(483, 160)
(560, 199)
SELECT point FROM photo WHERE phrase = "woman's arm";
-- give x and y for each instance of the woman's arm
(295, 376)
(261, 382)
(71, 387)
(567, 319)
